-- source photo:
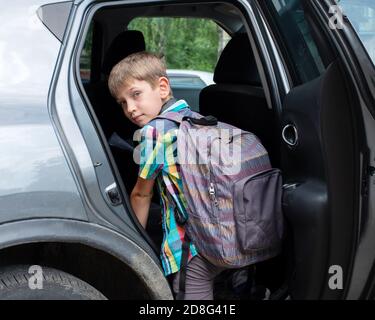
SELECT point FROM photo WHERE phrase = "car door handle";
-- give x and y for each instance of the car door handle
(290, 135)
(113, 194)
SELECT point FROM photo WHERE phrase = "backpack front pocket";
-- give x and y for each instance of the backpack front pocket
(257, 210)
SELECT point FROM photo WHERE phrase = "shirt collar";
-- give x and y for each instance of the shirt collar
(174, 105)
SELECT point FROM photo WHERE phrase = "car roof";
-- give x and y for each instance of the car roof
(207, 77)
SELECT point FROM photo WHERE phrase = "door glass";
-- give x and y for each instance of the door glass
(191, 48)
(301, 49)
(187, 43)
(177, 80)
(361, 14)
(85, 59)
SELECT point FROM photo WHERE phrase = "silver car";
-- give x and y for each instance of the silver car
(187, 84)
(297, 73)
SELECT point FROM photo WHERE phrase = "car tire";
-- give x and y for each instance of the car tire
(16, 283)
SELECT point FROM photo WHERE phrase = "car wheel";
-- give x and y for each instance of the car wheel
(17, 282)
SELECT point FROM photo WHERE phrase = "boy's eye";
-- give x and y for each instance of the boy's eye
(122, 103)
(136, 93)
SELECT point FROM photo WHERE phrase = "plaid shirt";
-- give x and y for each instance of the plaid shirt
(159, 161)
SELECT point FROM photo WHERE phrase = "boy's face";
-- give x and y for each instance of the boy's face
(141, 102)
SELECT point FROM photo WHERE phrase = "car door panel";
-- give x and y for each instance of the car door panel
(321, 167)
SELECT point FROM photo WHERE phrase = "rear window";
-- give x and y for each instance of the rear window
(177, 80)
(189, 46)
(187, 43)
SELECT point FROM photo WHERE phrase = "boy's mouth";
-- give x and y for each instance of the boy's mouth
(137, 117)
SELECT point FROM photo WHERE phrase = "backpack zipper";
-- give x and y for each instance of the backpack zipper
(211, 188)
(212, 192)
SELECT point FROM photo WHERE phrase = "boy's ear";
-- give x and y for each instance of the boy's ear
(164, 87)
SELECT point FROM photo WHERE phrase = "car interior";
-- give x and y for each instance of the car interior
(237, 98)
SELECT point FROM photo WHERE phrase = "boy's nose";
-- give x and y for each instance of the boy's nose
(131, 108)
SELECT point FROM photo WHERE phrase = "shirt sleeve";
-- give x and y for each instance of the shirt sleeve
(151, 149)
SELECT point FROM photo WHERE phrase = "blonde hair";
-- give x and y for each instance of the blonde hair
(137, 66)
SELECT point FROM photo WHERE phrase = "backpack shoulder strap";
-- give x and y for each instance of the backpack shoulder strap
(195, 117)
(171, 115)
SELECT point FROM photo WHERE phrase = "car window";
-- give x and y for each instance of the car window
(188, 44)
(296, 39)
(85, 59)
(361, 14)
(177, 80)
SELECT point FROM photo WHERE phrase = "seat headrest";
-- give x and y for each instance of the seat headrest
(236, 64)
(125, 43)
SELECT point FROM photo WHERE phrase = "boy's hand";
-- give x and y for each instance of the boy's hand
(140, 199)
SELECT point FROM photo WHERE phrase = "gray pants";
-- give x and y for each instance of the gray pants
(200, 275)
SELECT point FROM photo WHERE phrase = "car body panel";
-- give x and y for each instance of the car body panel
(94, 236)
(41, 176)
(55, 17)
(36, 180)
(85, 150)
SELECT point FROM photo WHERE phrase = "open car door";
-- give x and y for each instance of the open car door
(327, 148)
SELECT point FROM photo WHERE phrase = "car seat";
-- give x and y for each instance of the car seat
(238, 98)
(109, 113)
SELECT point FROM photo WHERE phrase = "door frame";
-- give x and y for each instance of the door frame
(355, 66)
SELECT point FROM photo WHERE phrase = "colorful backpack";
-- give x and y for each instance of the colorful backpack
(233, 194)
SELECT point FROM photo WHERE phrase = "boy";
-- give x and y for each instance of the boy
(140, 85)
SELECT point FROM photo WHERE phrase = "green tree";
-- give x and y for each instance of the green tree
(187, 43)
